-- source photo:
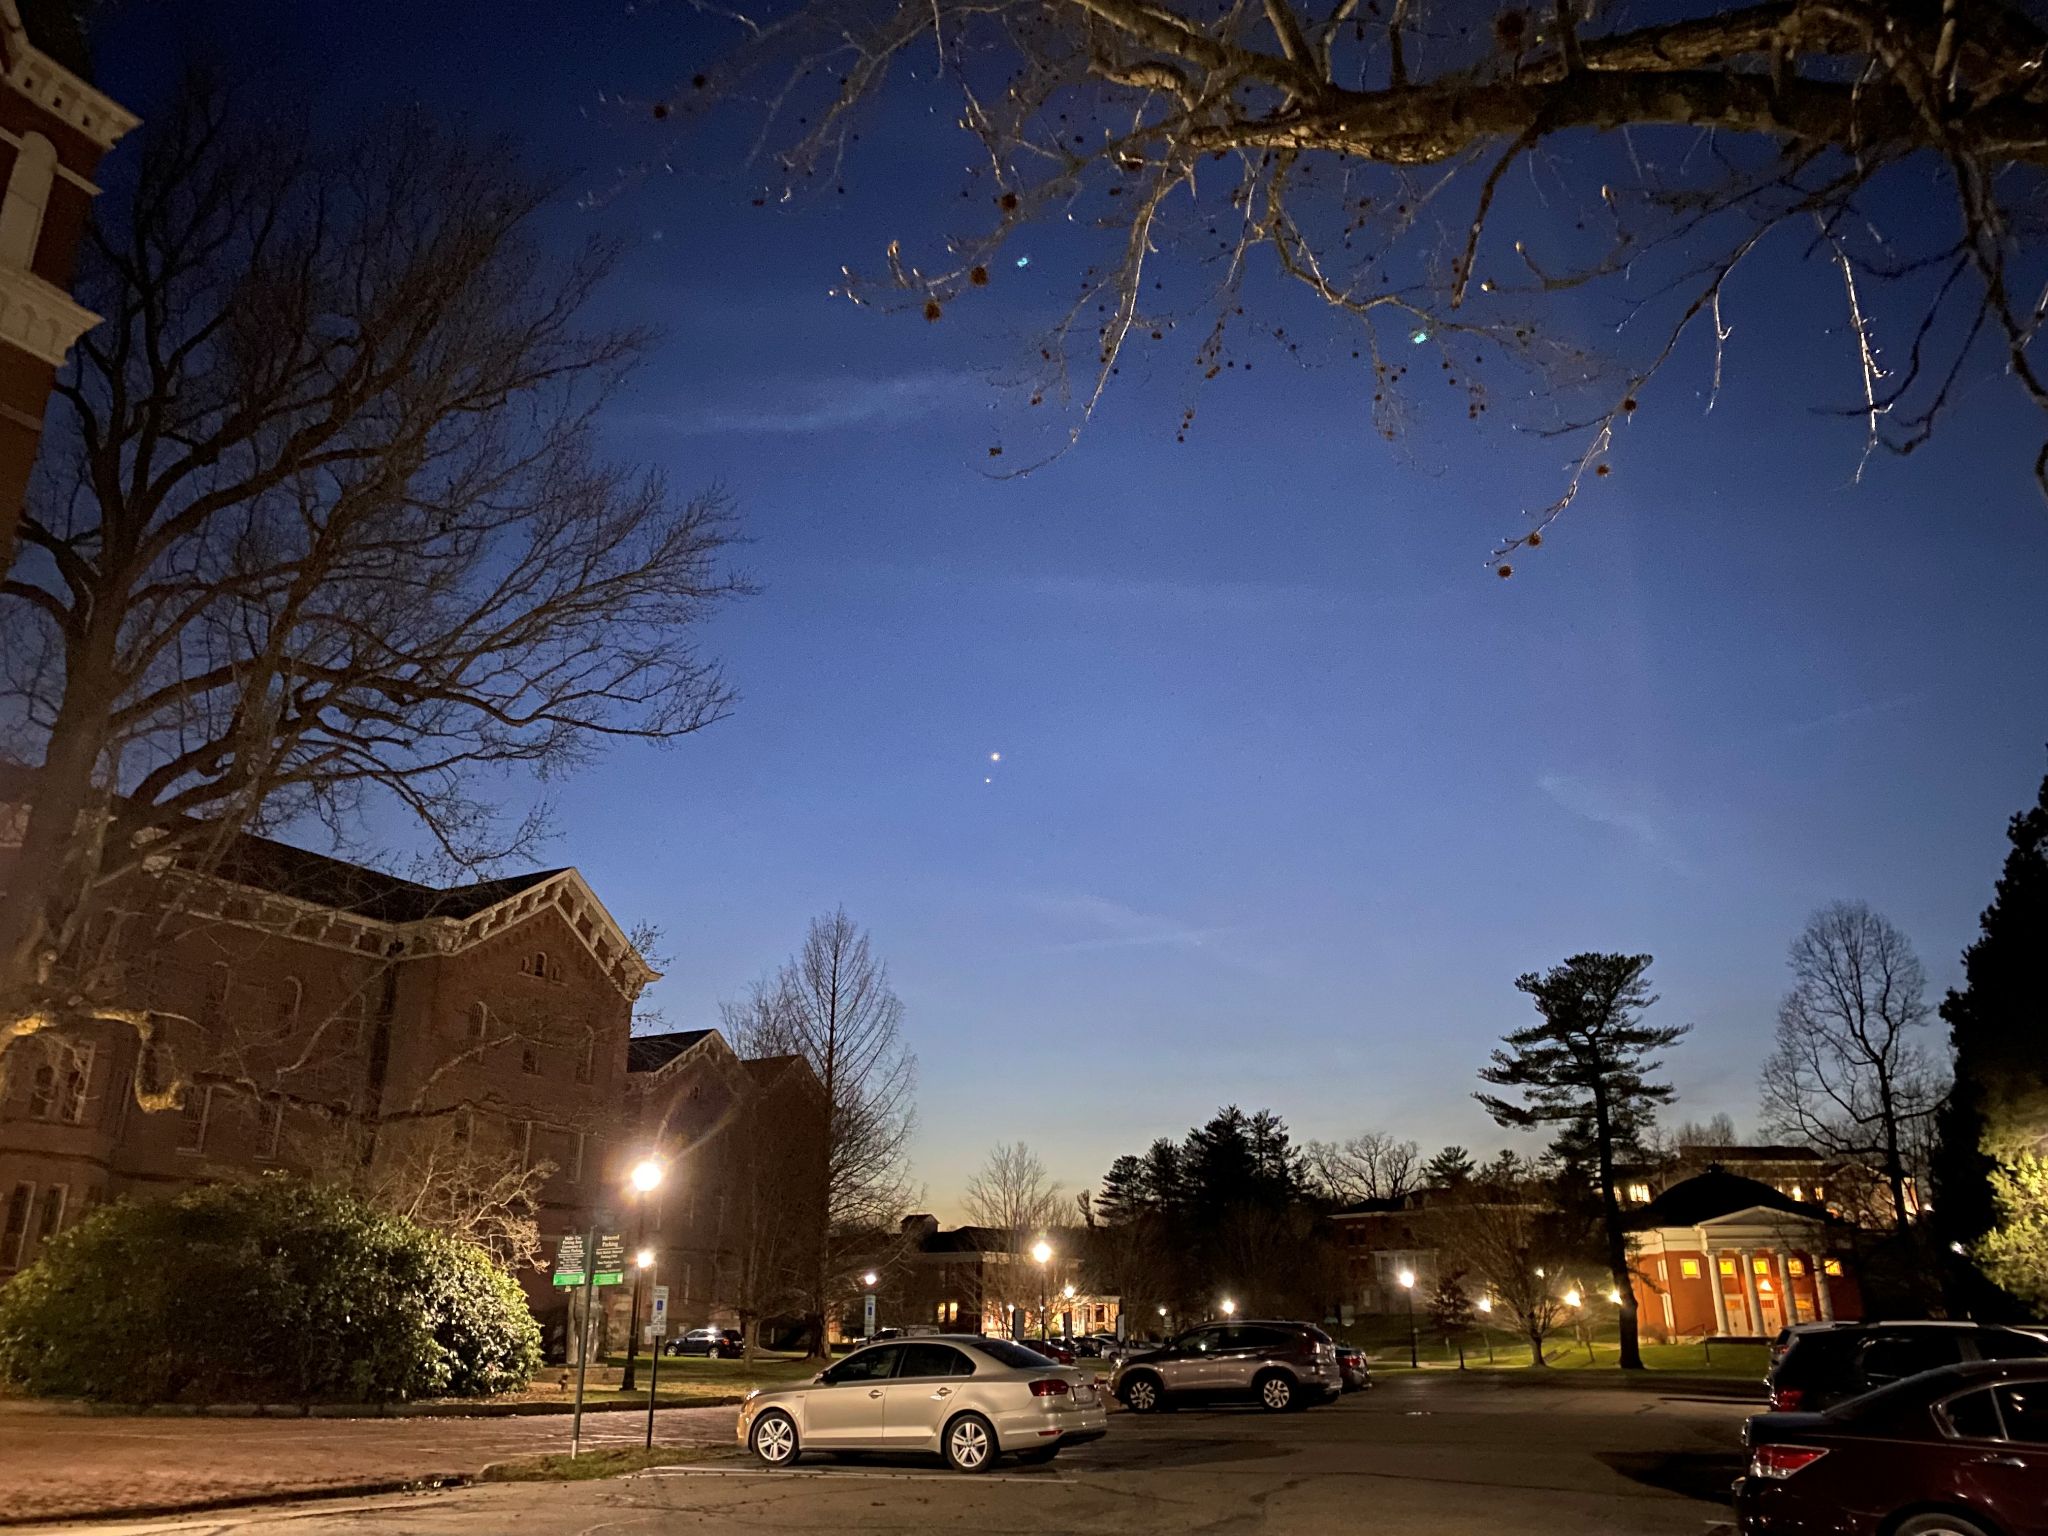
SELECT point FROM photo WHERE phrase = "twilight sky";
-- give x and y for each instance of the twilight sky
(1291, 787)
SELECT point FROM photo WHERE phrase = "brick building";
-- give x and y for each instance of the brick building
(972, 1279)
(54, 127)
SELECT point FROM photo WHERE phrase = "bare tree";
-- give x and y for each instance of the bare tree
(832, 1005)
(1011, 1195)
(319, 527)
(1370, 1166)
(1716, 1131)
(1849, 1077)
(1513, 1245)
(1365, 152)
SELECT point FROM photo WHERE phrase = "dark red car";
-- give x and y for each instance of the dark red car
(1961, 1451)
(1053, 1349)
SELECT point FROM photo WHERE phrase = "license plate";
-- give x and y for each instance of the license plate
(1084, 1393)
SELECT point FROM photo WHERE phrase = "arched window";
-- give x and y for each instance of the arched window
(586, 1060)
(27, 199)
(290, 998)
(537, 964)
(479, 1023)
(42, 1093)
(77, 1078)
(529, 1059)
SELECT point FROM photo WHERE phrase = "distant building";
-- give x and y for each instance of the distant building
(981, 1279)
(1719, 1255)
(54, 127)
(1802, 1175)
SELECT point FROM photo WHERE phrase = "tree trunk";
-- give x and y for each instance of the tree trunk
(1894, 1164)
(1631, 1356)
(1536, 1360)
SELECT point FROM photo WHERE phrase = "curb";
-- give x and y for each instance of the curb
(429, 1484)
(479, 1410)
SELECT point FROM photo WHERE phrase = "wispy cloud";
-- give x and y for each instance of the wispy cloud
(1096, 922)
(790, 406)
(1628, 808)
(1850, 714)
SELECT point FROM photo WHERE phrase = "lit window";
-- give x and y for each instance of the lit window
(1796, 1192)
(1727, 1266)
(1831, 1266)
(1819, 1193)
(1689, 1269)
(1639, 1193)
(1797, 1266)
(1761, 1266)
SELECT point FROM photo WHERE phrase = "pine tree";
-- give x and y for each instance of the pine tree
(1451, 1168)
(1585, 1068)
(1998, 1024)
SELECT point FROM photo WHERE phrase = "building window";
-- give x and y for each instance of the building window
(479, 1023)
(529, 1059)
(462, 1128)
(14, 1230)
(586, 1062)
(27, 198)
(42, 1092)
(1761, 1265)
(1796, 1266)
(149, 1069)
(291, 996)
(219, 981)
(1688, 1269)
(77, 1078)
(1831, 1267)
(53, 1214)
(1727, 1266)
(273, 1129)
(535, 964)
(1819, 1193)
(1796, 1192)
(1639, 1193)
(192, 1117)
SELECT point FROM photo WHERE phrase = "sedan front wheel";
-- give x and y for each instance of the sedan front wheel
(773, 1438)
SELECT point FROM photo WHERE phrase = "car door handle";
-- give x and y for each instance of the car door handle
(942, 1392)
(874, 1392)
(2000, 1461)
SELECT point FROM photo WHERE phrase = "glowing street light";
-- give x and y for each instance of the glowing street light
(644, 1259)
(1486, 1303)
(1042, 1252)
(1614, 1295)
(646, 1175)
(1229, 1307)
(869, 1279)
(1573, 1299)
(645, 1179)
(1407, 1279)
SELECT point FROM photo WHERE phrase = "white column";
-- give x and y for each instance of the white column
(1785, 1280)
(1711, 1261)
(1746, 1257)
(1820, 1288)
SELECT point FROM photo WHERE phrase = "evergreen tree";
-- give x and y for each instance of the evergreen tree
(1451, 1168)
(1450, 1309)
(1585, 1068)
(1998, 1024)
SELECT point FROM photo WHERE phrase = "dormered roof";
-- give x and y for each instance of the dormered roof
(320, 880)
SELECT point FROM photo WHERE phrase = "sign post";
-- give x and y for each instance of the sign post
(583, 1262)
(656, 1331)
(868, 1316)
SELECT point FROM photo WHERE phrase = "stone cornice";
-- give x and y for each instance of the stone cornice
(57, 90)
(40, 318)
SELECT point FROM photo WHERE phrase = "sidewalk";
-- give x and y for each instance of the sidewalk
(58, 1465)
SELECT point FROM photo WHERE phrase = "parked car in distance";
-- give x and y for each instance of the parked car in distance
(1353, 1373)
(1830, 1363)
(715, 1343)
(1053, 1350)
(962, 1397)
(1959, 1451)
(1278, 1365)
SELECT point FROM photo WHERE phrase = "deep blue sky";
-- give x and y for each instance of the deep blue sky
(1291, 787)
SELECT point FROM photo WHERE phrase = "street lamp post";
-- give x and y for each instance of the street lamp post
(644, 1260)
(867, 1306)
(1067, 1324)
(645, 1178)
(1042, 1251)
(1408, 1284)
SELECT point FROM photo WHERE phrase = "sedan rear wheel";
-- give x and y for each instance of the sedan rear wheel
(970, 1444)
(1276, 1392)
(1940, 1524)
(773, 1438)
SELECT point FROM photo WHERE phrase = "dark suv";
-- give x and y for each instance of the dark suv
(1277, 1365)
(1827, 1364)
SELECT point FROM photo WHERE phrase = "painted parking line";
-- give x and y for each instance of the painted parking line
(868, 1474)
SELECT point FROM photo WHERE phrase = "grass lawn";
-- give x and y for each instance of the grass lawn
(610, 1461)
(684, 1379)
(1385, 1340)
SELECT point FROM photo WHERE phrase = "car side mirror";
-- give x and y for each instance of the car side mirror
(822, 1379)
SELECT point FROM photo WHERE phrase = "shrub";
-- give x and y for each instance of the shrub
(271, 1291)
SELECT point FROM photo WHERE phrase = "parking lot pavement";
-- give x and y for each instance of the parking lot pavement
(1439, 1455)
(57, 1464)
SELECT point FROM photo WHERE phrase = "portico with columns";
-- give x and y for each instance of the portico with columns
(1727, 1257)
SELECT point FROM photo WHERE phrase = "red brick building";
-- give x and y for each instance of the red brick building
(54, 127)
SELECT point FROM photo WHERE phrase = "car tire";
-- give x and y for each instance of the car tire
(1143, 1393)
(970, 1444)
(773, 1440)
(1942, 1524)
(1276, 1392)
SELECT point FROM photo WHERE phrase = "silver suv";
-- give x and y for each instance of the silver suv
(1277, 1365)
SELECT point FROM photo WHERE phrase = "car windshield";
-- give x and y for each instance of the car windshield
(1003, 1352)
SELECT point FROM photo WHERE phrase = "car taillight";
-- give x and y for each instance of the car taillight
(1049, 1386)
(1778, 1462)
(1785, 1399)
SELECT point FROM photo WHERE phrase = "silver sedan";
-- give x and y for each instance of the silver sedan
(966, 1398)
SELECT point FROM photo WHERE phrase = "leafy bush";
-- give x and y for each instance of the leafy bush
(273, 1291)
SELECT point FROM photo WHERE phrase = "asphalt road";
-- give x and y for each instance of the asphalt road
(1438, 1454)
